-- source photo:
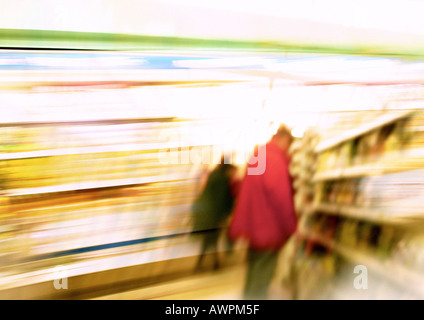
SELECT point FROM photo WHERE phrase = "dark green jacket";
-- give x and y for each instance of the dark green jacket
(215, 203)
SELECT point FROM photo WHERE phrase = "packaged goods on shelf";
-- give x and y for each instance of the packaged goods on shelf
(365, 236)
(74, 222)
(76, 187)
(379, 194)
(348, 232)
(382, 145)
(354, 234)
(368, 199)
(343, 156)
(386, 240)
(302, 168)
(413, 128)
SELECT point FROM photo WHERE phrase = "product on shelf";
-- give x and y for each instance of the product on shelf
(69, 186)
(413, 127)
(380, 147)
(368, 197)
(386, 240)
(349, 232)
(302, 167)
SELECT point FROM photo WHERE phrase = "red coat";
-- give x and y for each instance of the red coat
(264, 213)
(235, 185)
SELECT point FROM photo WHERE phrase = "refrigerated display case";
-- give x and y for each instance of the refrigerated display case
(100, 178)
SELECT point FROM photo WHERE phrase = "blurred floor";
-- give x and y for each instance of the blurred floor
(224, 284)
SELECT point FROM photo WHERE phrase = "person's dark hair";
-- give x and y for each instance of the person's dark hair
(283, 131)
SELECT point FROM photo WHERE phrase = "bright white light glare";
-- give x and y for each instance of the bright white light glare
(326, 65)
(274, 128)
(8, 62)
(223, 62)
(350, 14)
(160, 28)
(113, 129)
(298, 132)
(351, 70)
(84, 62)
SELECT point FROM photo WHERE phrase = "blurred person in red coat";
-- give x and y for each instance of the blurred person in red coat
(264, 214)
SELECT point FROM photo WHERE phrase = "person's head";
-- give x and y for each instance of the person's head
(227, 166)
(283, 138)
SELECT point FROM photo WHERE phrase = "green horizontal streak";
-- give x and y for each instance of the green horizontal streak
(48, 39)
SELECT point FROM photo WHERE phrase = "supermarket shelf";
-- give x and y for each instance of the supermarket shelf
(394, 272)
(393, 162)
(409, 214)
(353, 133)
(115, 78)
(352, 172)
(93, 274)
(87, 122)
(327, 207)
(366, 170)
(7, 228)
(94, 185)
(328, 175)
(97, 149)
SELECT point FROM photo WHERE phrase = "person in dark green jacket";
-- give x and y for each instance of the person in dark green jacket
(212, 209)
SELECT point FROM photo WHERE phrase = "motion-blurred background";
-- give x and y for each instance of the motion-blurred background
(113, 113)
